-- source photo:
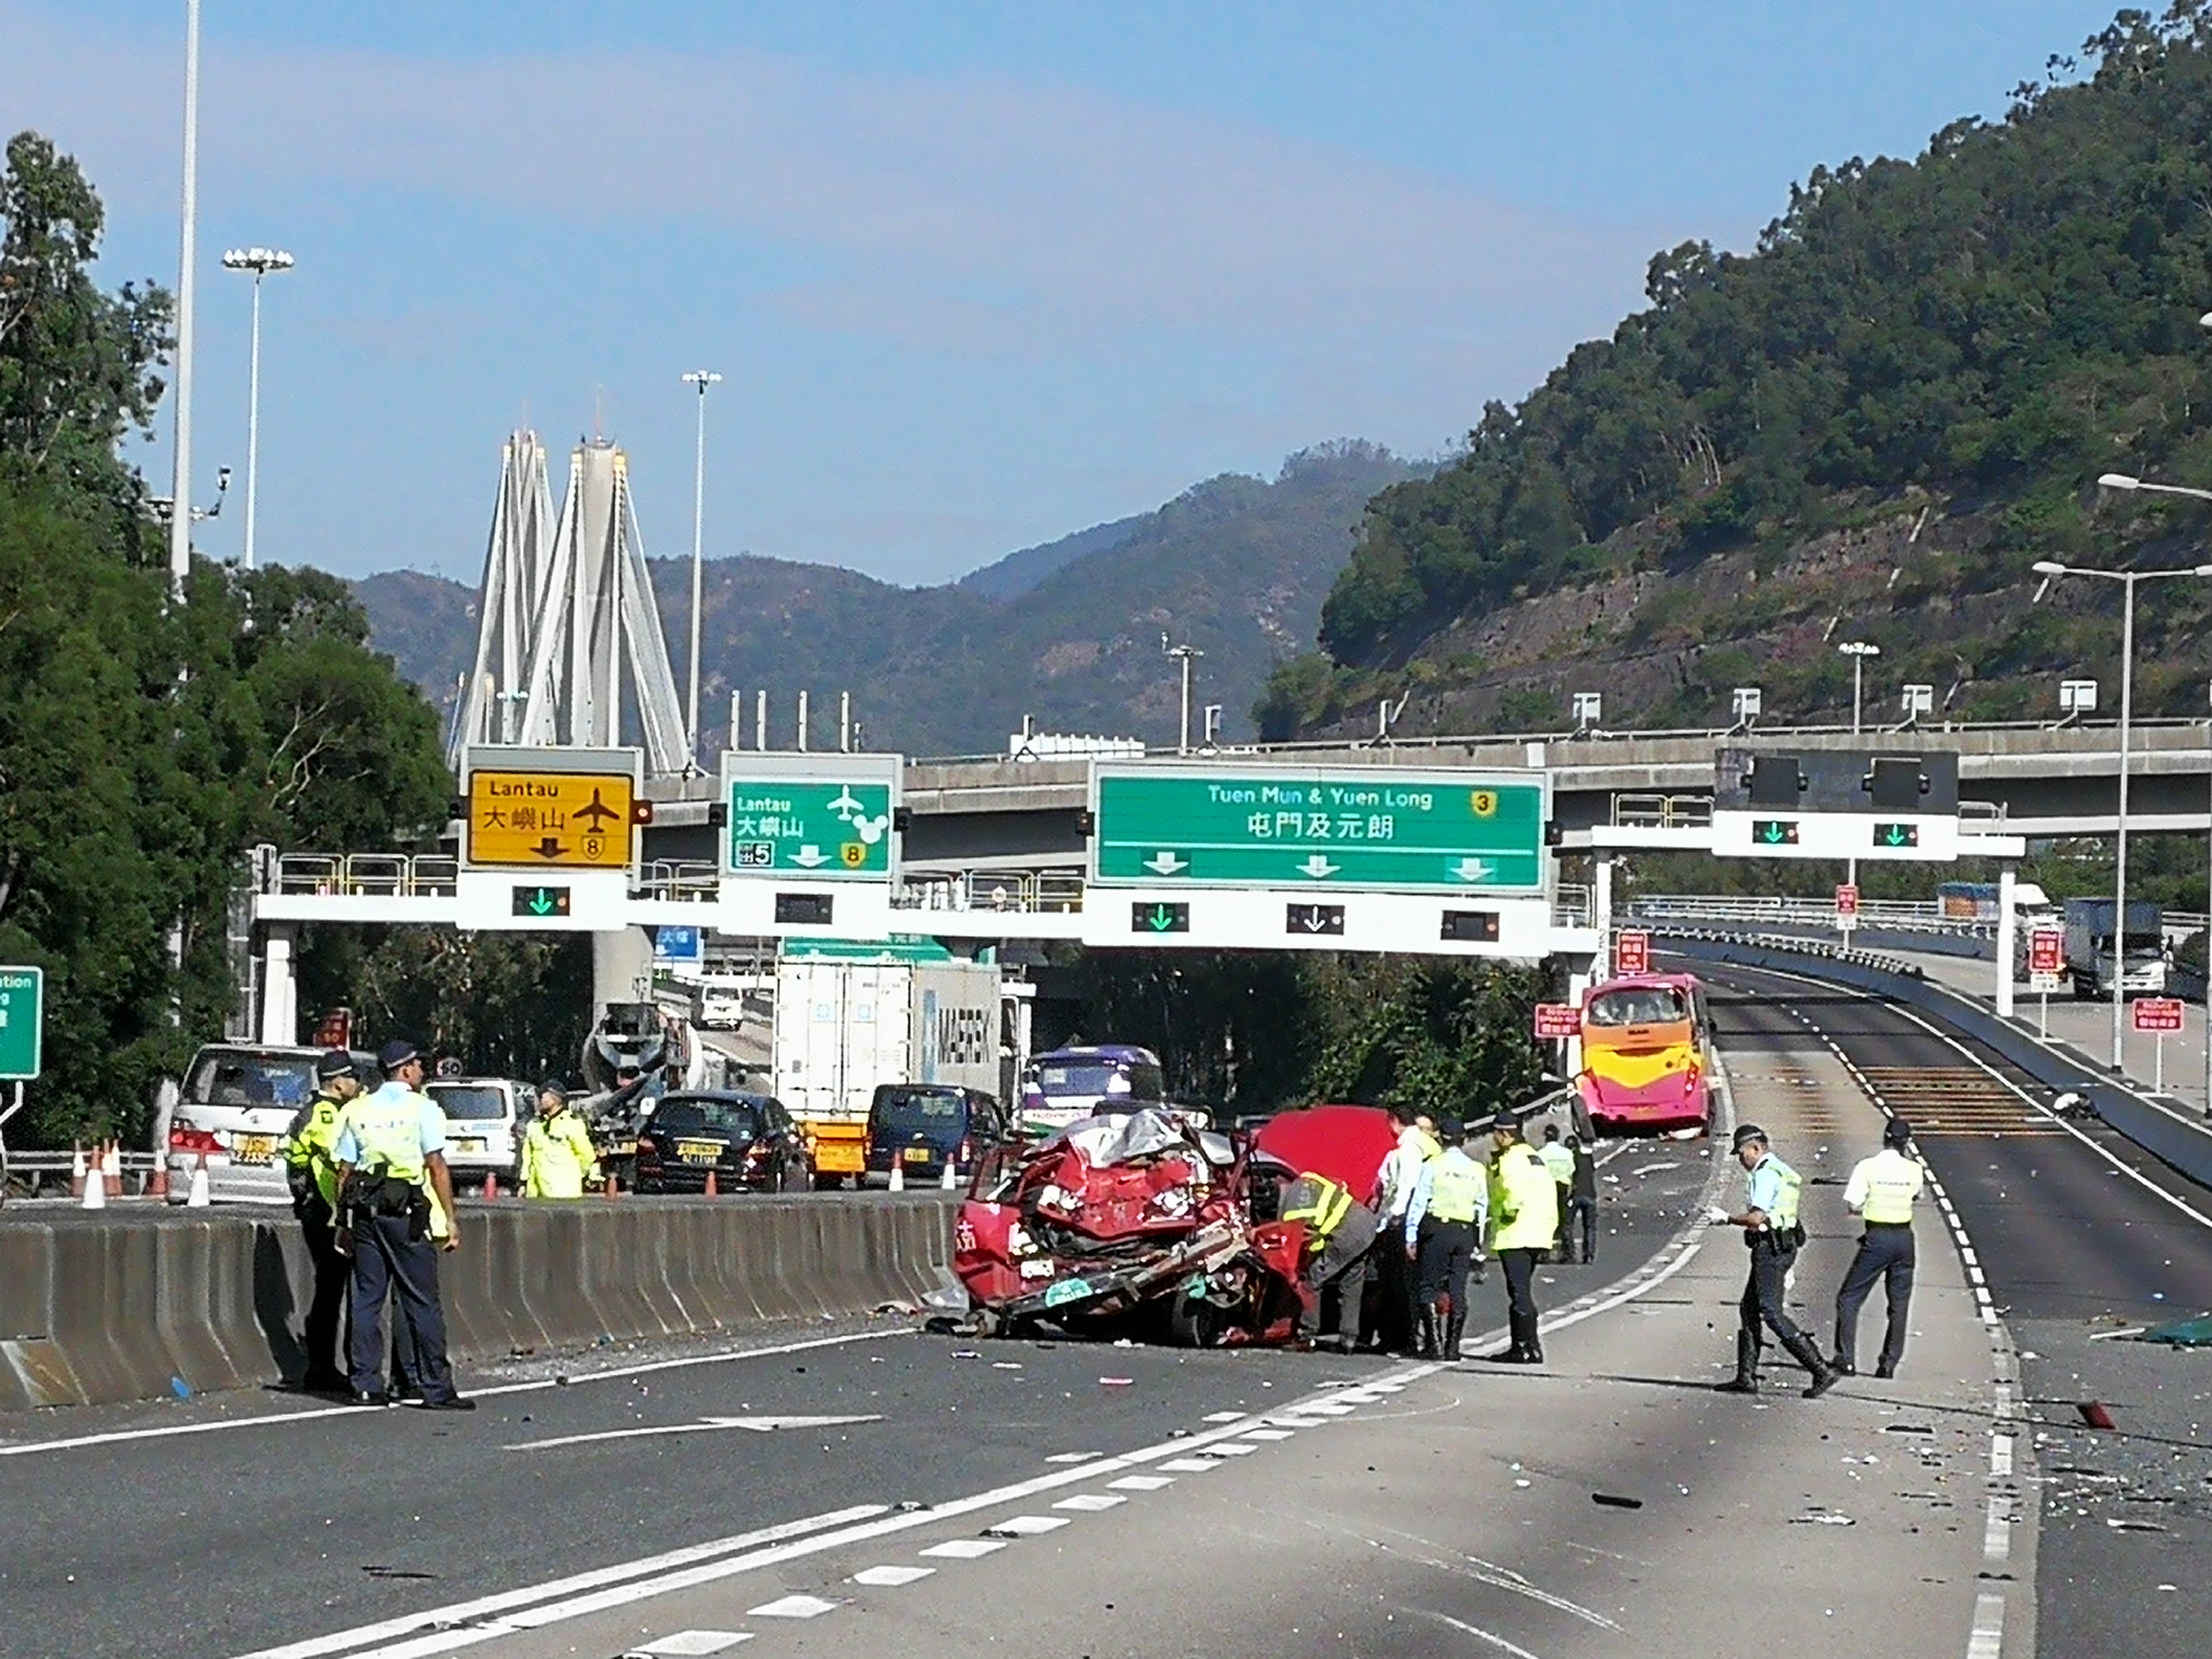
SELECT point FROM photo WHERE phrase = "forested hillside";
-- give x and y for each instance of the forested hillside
(1069, 631)
(1868, 426)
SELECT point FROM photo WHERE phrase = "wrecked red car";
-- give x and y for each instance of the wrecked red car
(1136, 1223)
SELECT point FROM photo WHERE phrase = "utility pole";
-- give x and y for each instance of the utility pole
(700, 378)
(260, 261)
(180, 521)
(1185, 656)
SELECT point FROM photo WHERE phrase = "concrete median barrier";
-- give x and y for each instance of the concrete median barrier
(111, 1306)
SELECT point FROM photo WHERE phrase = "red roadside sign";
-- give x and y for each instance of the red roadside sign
(2046, 951)
(1557, 1021)
(2156, 1014)
(1632, 953)
(1847, 901)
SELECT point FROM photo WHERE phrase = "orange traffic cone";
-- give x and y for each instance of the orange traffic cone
(491, 1184)
(610, 1189)
(713, 1191)
(157, 1184)
(76, 1169)
(112, 1166)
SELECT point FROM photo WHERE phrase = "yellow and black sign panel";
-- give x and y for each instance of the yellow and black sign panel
(550, 820)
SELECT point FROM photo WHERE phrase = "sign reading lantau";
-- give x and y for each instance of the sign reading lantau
(1366, 827)
(811, 817)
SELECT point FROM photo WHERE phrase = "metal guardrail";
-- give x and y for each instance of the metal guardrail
(681, 880)
(368, 875)
(1017, 892)
(1910, 915)
(1663, 811)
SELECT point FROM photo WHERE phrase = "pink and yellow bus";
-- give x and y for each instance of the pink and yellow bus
(1645, 1056)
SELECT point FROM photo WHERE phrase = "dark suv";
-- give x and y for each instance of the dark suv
(746, 1140)
(923, 1126)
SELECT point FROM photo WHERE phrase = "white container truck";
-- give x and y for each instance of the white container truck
(843, 1025)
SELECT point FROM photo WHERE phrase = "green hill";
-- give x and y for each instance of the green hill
(1868, 427)
(1069, 632)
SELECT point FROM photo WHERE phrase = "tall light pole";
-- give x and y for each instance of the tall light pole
(180, 521)
(260, 261)
(1858, 651)
(1186, 655)
(2127, 579)
(700, 378)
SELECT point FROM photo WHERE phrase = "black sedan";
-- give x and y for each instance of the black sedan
(744, 1140)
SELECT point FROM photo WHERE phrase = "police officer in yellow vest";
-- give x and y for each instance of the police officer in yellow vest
(1524, 1216)
(1880, 1191)
(558, 1160)
(1340, 1235)
(1768, 1220)
(310, 1147)
(396, 1199)
(1443, 1219)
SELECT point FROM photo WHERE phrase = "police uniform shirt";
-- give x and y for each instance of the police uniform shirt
(1882, 1188)
(1764, 1187)
(430, 1121)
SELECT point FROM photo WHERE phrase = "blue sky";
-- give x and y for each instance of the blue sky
(978, 275)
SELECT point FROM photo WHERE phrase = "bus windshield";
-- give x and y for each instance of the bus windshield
(1642, 1005)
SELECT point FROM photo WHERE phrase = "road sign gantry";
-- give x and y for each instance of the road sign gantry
(1347, 828)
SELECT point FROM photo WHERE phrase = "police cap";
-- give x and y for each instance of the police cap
(554, 1086)
(335, 1062)
(1896, 1132)
(395, 1054)
(1745, 1134)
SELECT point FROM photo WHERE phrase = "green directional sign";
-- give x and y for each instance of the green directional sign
(1775, 832)
(541, 902)
(835, 824)
(1403, 831)
(1897, 835)
(1160, 918)
(22, 1023)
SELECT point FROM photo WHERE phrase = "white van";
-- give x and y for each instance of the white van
(237, 1100)
(485, 1117)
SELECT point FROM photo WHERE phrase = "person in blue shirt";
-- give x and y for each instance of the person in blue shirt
(1444, 1219)
(396, 1200)
(1769, 1221)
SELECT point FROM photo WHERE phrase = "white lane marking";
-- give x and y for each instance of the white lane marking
(1267, 1434)
(1190, 1466)
(1091, 1502)
(687, 1643)
(1481, 1635)
(1327, 1408)
(489, 1606)
(1987, 1638)
(704, 1425)
(791, 1606)
(1997, 1530)
(964, 1549)
(1026, 1526)
(1141, 1482)
(1230, 1449)
(576, 1379)
(1629, 1294)
(1074, 1457)
(2001, 1456)
(892, 1578)
(1224, 1417)
(534, 1617)
(1291, 1420)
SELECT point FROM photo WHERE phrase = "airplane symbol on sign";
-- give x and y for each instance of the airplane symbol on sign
(598, 810)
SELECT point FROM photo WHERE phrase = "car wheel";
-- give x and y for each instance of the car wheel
(827, 1184)
(1194, 1322)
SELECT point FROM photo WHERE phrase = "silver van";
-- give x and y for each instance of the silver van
(237, 1100)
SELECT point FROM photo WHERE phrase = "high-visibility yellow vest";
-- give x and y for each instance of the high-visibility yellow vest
(1455, 1188)
(315, 1147)
(1524, 1201)
(1321, 1203)
(557, 1158)
(1889, 1181)
(1784, 1216)
(387, 1128)
(1559, 1161)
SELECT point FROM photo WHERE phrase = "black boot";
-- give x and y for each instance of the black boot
(1747, 1365)
(1454, 1327)
(1807, 1352)
(1425, 1332)
(1532, 1346)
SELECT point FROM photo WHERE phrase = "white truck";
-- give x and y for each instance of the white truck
(845, 1024)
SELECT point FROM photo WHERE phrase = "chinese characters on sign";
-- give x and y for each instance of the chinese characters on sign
(557, 819)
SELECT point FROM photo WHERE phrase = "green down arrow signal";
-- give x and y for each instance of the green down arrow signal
(541, 903)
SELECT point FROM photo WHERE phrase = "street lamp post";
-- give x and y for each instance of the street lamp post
(2127, 580)
(260, 261)
(700, 378)
(1858, 651)
(180, 521)
(1186, 655)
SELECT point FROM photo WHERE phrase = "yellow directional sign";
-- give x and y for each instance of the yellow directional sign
(550, 820)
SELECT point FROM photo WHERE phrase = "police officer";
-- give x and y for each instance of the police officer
(1524, 1218)
(311, 1167)
(1560, 1161)
(1582, 1204)
(1445, 1216)
(1881, 1190)
(1340, 1233)
(558, 1160)
(1769, 1221)
(396, 1197)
